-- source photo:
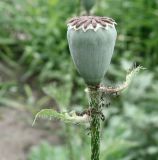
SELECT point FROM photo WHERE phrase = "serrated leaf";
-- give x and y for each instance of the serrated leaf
(65, 116)
(130, 76)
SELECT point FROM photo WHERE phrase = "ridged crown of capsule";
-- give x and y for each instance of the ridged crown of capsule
(90, 22)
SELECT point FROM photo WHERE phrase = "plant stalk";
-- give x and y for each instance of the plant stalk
(94, 95)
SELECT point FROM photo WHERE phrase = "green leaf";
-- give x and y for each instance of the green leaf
(71, 117)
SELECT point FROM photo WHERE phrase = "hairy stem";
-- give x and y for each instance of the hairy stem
(95, 123)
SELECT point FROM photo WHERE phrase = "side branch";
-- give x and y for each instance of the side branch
(124, 85)
(129, 77)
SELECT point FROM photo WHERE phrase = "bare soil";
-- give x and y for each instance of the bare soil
(17, 135)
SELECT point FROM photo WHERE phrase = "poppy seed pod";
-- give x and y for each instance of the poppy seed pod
(88, 4)
(91, 42)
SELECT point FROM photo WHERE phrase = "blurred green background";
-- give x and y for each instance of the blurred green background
(36, 71)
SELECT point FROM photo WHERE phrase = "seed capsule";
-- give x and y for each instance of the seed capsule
(91, 42)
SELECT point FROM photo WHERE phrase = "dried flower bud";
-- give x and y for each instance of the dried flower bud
(91, 41)
(88, 4)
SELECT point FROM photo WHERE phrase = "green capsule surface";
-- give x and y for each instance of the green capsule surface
(91, 51)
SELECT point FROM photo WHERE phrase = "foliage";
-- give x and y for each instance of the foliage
(46, 152)
(34, 35)
(137, 28)
(34, 55)
(71, 117)
(132, 125)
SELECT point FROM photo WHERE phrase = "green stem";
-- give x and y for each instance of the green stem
(79, 7)
(95, 124)
(88, 12)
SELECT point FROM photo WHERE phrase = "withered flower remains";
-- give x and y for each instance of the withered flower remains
(91, 22)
